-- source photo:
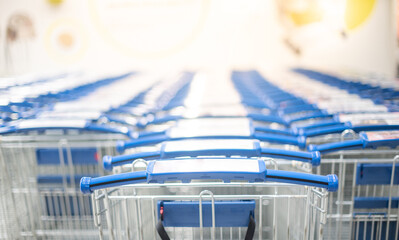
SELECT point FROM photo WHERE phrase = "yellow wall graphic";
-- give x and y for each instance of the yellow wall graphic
(357, 12)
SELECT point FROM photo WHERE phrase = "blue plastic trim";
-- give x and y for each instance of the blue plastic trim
(375, 202)
(109, 162)
(276, 138)
(266, 118)
(121, 146)
(326, 130)
(274, 131)
(186, 213)
(80, 156)
(297, 109)
(316, 115)
(59, 179)
(164, 119)
(87, 127)
(376, 174)
(337, 146)
(88, 184)
(330, 182)
(309, 157)
(299, 129)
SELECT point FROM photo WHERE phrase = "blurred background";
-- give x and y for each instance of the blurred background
(84, 83)
(356, 36)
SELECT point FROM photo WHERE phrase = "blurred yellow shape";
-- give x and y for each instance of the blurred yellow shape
(309, 15)
(357, 11)
(55, 2)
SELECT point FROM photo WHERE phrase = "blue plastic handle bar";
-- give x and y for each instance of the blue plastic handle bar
(160, 120)
(274, 131)
(266, 118)
(375, 128)
(326, 130)
(60, 178)
(309, 157)
(298, 108)
(109, 162)
(330, 182)
(121, 146)
(109, 129)
(255, 104)
(337, 146)
(299, 141)
(88, 184)
(144, 134)
(348, 125)
(87, 127)
(362, 142)
(302, 129)
(317, 124)
(292, 102)
(253, 116)
(317, 114)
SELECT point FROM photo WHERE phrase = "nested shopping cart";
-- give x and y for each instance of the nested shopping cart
(210, 198)
(39, 175)
(43, 160)
(365, 205)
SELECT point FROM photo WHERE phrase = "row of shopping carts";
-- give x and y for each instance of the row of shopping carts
(204, 156)
(273, 124)
(44, 156)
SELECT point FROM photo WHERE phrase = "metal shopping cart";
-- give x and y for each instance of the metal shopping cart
(43, 160)
(241, 206)
(365, 205)
(39, 177)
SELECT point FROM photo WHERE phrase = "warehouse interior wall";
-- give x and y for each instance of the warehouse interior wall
(196, 34)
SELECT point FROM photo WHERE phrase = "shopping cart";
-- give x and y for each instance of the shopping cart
(39, 176)
(26, 101)
(308, 95)
(241, 206)
(365, 205)
(44, 159)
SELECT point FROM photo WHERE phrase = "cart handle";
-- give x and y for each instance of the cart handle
(337, 146)
(121, 146)
(299, 141)
(313, 157)
(309, 157)
(348, 125)
(37, 125)
(288, 132)
(326, 130)
(88, 184)
(109, 161)
(368, 139)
